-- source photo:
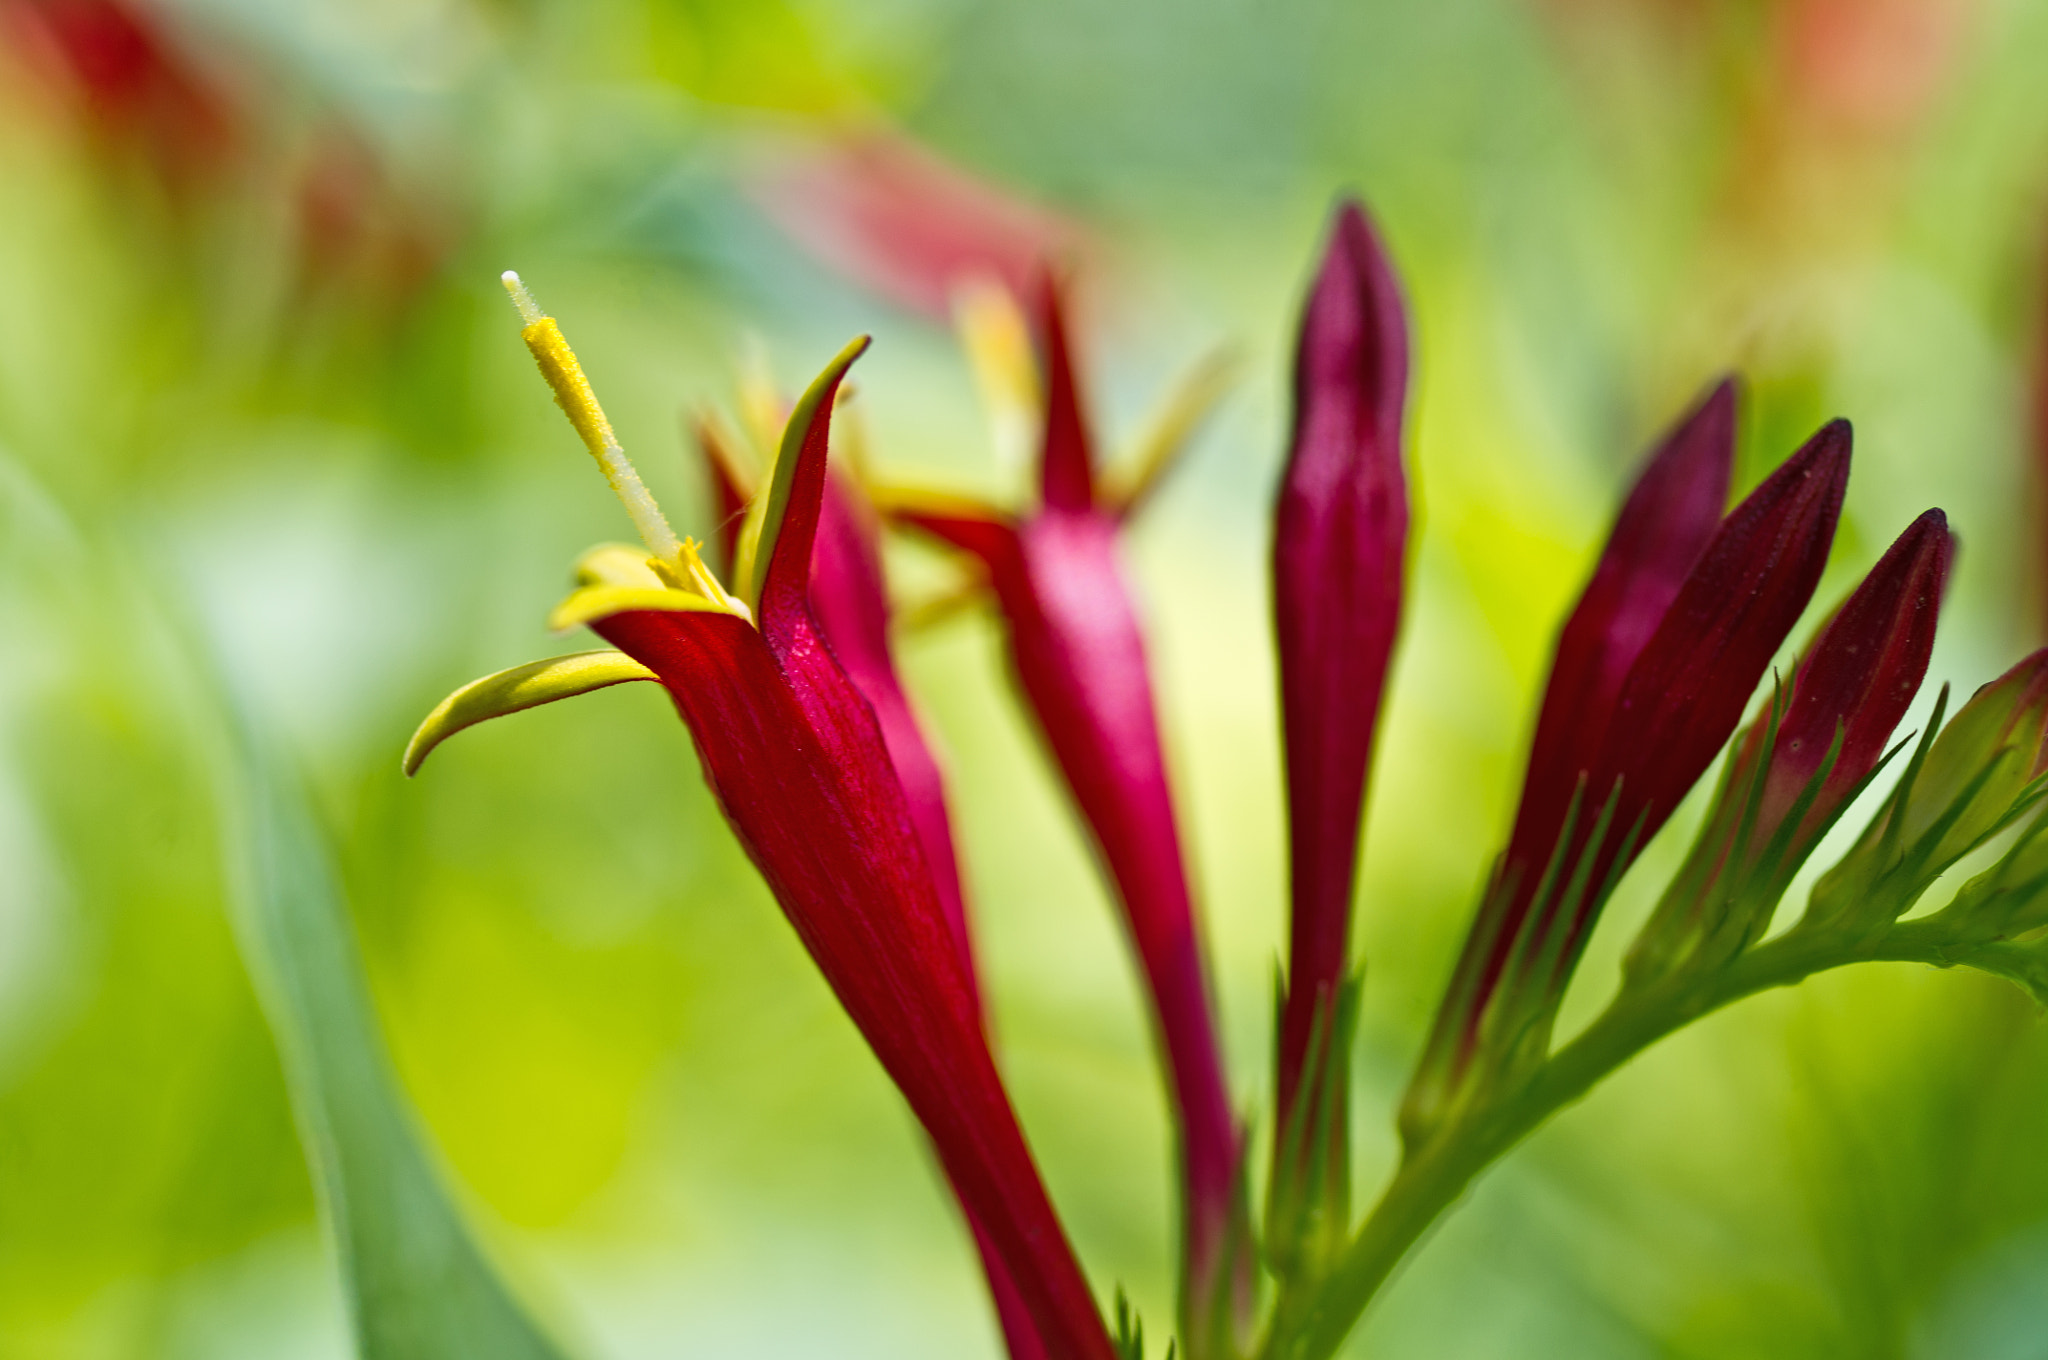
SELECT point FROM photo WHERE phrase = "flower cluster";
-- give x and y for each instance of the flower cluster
(777, 657)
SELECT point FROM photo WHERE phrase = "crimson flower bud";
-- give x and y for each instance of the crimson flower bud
(1340, 537)
(1609, 774)
(1798, 766)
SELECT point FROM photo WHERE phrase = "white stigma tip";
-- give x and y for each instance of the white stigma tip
(529, 310)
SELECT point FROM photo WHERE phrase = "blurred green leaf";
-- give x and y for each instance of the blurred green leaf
(419, 1286)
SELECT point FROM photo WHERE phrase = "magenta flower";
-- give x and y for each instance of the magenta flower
(1605, 776)
(1340, 534)
(1079, 656)
(801, 767)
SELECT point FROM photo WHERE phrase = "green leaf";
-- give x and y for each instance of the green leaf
(418, 1285)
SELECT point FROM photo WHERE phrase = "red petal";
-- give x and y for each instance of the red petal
(1080, 660)
(850, 602)
(785, 585)
(728, 497)
(1067, 463)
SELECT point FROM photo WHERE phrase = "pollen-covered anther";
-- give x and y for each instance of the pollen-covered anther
(558, 364)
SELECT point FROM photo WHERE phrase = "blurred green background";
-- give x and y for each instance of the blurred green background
(258, 385)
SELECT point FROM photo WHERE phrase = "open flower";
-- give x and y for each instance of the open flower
(1079, 656)
(799, 764)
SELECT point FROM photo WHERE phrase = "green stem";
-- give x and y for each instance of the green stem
(1313, 1318)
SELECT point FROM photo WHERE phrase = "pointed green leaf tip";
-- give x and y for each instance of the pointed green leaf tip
(764, 526)
(522, 687)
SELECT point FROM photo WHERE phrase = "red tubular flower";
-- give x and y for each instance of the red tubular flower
(135, 87)
(799, 764)
(1628, 763)
(1340, 534)
(1080, 659)
(850, 603)
(889, 212)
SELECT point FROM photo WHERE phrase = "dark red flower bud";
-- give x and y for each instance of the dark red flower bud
(1859, 677)
(1340, 536)
(1669, 517)
(1628, 765)
(1695, 676)
(1851, 689)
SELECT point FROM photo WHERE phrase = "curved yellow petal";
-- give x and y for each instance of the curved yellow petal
(522, 687)
(596, 602)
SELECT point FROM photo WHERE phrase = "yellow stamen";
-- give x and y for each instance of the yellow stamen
(572, 392)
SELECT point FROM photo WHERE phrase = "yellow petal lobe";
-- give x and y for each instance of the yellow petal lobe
(522, 687)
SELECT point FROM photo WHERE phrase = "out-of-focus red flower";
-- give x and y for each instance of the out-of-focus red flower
(363, 236)
(130, 83)
(1079, 656)
(895, 217)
